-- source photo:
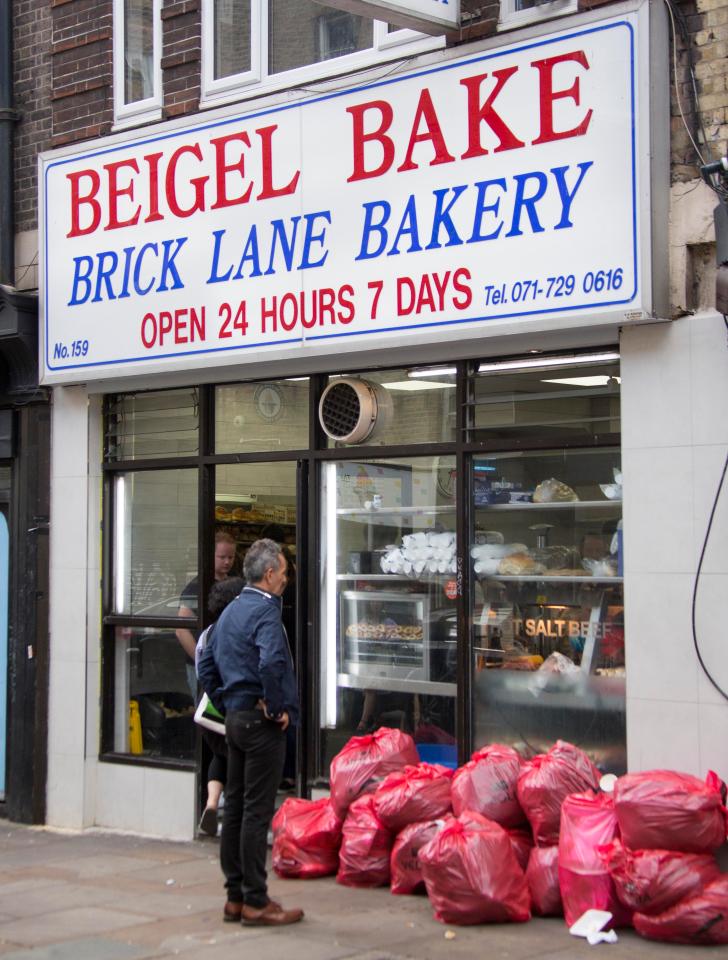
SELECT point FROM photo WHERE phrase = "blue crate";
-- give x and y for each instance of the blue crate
(442, 753)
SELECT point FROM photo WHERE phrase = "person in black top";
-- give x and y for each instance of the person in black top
(189, 600)
(222, 593)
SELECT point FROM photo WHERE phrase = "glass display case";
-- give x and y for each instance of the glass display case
(388, 586)
(385, 634)
(547, 611)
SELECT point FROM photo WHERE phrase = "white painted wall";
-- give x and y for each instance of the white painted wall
(674, 440)
(82, 792)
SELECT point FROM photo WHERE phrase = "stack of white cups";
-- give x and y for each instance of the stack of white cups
(421, 553)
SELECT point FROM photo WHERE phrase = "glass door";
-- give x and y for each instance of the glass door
(388, 595)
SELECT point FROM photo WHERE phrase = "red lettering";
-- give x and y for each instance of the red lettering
(198, 183)
(152, 161)
(268, 190)
(222, 168)
(115, 191)
(485, 113)
(77, 199)
(361, 138)
(426, 111)
(547, 95)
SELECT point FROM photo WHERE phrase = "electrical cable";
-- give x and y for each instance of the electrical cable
(702, 663)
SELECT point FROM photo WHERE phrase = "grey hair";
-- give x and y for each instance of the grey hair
(261, 556)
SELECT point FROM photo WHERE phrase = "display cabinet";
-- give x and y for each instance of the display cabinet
(547, 608)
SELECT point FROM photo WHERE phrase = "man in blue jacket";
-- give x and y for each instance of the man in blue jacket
(247, 671)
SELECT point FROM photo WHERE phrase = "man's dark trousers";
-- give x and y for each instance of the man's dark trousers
(256, 754)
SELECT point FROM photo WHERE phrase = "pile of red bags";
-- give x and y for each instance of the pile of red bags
(306, 838)
(646, 853)
(588, 822)
(364, 762)
(664, 868)
(472, 875)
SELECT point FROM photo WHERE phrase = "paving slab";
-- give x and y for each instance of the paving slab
(90, 948)
(95, 896)
(72, 923)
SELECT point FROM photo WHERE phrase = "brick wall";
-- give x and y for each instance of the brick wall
(702, 40)
(32, 76)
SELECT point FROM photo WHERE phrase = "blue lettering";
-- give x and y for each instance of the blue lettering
(168, 265)
(481, 207)
(81, 278)
(216, 277)
(567, 197)
(287, 246)
(143, 291)
(104, 274)
(311, 237)
(442, 218)
(250, 253)
(522, 202)
(408, 228)
(372, 226)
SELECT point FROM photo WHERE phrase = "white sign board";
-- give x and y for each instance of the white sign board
(478, 194)
(431, 16)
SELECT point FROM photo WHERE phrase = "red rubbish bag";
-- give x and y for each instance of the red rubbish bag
(651, 881)
(412, 795)
(546, 780)
(698, 920)
(661, 809)
(306, 838)
(588, 821)
(522, 843)
(366, 845)
(406, 872)
(487, 784)
(361, 765)
(542, 876)
(472, 875)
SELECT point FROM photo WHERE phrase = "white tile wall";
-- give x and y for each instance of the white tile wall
(120, 796)
(675, 437)
(169, 804)
(663, 734)
(661, 663)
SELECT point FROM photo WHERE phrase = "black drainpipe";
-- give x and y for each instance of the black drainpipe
(7, 120)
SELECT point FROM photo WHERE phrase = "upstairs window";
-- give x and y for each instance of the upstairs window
(254, 46)
(137, 71)
(519, 13)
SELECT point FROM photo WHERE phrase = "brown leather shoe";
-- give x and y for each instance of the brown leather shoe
(271, 915)
(232, 912)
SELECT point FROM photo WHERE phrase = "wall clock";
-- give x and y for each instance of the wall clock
(268, 400)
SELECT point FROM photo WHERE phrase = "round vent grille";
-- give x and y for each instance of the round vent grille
(350, 409)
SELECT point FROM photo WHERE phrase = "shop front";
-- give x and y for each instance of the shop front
(399, 356)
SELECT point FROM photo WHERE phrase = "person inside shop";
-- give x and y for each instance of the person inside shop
(247, 671)
(189, 599)
(222, 593)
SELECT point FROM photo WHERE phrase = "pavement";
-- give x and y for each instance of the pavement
(101, 896)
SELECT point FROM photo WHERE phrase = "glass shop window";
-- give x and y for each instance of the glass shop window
(137, 52)
(271, 415)
(155, 540)
(153, 424)
(152, 687)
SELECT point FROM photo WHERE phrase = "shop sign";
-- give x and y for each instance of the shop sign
(505, 191)
(431, 16)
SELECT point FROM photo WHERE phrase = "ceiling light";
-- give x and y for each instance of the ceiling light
(432, 372)
(419, 385)
(534, 363)
(600, 380)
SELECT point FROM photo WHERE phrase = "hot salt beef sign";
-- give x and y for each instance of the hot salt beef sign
(494, 193)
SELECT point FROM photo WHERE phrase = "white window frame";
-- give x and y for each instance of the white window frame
(141, 111)
(257, 81)
(510, 17)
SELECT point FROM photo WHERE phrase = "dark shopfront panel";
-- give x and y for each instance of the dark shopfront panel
(458, 569)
